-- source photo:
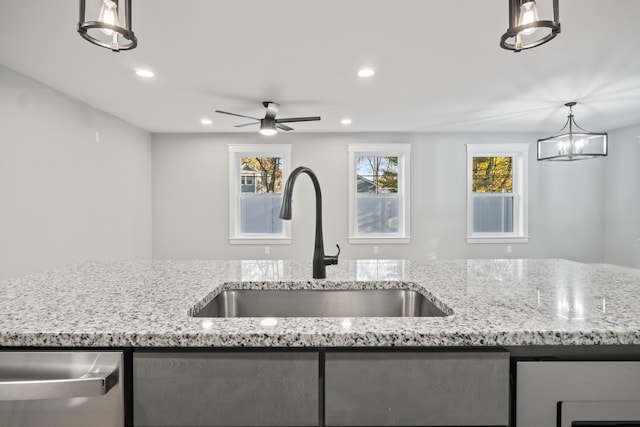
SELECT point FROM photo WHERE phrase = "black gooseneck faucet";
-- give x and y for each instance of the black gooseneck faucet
(320, 260)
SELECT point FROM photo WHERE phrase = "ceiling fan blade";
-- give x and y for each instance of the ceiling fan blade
(283, 127)
(237, 115)
(298, 119)
(272, 110)
(246, 124)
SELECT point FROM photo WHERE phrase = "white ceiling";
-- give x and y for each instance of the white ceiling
(438, 64)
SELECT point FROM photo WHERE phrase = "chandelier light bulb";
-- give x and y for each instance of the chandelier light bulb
(528, 14)
(109, 15)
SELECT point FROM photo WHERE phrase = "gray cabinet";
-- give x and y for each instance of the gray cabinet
(226, 389)
(282, 388)
(417, 388)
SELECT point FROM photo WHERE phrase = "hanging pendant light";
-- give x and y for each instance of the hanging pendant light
(574, 144)
(108, 25)
(526, 29)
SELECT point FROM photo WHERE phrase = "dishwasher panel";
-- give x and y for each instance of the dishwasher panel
(55, 389)
(577, 393)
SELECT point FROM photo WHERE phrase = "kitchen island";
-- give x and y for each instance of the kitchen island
(509, 324)
(534, 302)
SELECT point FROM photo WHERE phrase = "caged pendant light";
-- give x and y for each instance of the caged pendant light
(107, 23)
(526, 29)
(574, 144)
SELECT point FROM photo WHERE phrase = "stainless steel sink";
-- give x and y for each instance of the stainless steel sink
(320, 303)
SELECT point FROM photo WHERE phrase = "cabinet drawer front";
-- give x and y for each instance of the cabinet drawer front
(225, 389)
(417, 389)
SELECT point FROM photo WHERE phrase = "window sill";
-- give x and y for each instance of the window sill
(378, 240)
(498, 239)
(260, 240)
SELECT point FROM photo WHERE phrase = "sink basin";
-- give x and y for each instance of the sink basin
(320, 303)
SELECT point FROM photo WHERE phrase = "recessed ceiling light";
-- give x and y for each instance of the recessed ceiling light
(144, 73)
(346, 121)
(366, 72)
(206, 121)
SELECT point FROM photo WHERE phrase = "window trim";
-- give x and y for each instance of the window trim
(520, 154)
(236, 151)
(402, 151)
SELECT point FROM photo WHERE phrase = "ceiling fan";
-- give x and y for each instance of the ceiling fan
(269, 124)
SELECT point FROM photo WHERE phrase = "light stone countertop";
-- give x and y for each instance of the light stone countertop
(494, 303)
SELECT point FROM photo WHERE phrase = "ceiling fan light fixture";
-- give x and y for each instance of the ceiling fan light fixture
(107, 23)
(526, 29)
(574, 144)
(268, 127)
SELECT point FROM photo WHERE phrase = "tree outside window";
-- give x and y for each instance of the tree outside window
(262, 174)
(377, 174)
(492, 175)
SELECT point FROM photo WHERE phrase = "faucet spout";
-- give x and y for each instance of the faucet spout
(320, 260)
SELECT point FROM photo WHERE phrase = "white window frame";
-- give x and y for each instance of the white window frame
(402, 151)
(236, 152)
(520, 168)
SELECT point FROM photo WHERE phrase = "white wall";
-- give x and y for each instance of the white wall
(190, 199)
(622, 198)
(64, 197)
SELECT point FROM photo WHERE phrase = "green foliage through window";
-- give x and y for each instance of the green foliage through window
(492, 175)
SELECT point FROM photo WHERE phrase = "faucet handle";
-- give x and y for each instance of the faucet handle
(332, 259)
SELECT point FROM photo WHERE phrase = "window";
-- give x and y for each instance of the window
(247, 181)
(497, 193)
(379, 193)
(257, 174)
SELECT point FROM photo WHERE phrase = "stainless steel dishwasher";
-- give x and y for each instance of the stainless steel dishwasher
(55, 389)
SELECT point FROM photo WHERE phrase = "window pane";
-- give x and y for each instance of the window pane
(376, 185)
(260, 214)
(261, 175)
(493, 214)
(377, 175)
(261, 190)
(492, 175)
(377, 214)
